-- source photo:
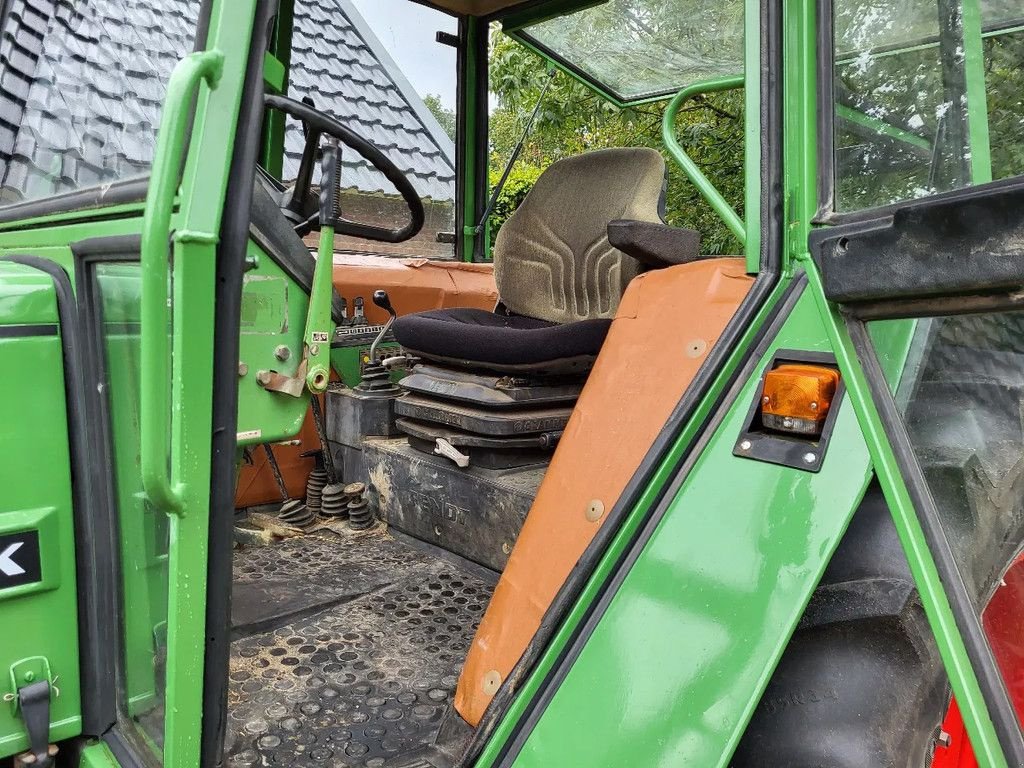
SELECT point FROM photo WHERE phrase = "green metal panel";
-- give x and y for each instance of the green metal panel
(691, 637)
(40, 620)
(97, 755)
(204, 184)
(273, 315)
(28, 297)
(977, 103)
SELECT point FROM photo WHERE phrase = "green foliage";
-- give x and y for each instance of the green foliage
(575, 119)
(445, 116)
(520, 181)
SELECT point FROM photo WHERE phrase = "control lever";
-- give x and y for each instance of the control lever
(381, 299)
(443, 448)
(376, 379)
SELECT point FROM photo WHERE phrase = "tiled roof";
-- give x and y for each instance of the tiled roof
(344, 68)
(84, 111)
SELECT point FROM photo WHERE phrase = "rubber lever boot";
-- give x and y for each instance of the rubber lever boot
(34, 704)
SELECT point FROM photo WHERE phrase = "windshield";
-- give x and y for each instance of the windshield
(376, 66)
(636, 50)
(81, 89)
(927, 97)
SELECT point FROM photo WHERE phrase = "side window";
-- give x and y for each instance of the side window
(376, 66)
(926, 105)
(81, 88)
(962, 402)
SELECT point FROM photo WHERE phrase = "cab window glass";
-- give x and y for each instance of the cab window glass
(82, 85)
(376, 66)
(961, 397)
(927, 97)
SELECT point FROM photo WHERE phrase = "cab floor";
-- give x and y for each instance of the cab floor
(347, 649)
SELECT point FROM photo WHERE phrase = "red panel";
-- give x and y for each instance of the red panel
(1004, 621)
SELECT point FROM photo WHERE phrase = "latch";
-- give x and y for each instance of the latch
(33, 686)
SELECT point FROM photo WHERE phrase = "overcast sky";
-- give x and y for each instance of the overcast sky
(407, 31)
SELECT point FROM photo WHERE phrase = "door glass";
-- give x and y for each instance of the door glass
(962, 400)
(143, 529)
(81, 89)
(926, 97)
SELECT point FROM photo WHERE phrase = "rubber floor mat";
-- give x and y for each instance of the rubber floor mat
(363, 681)
(282, 582)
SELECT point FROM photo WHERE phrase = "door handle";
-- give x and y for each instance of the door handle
(156, 411)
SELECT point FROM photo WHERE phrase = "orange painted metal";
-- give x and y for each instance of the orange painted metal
(665, 326)
(256, 483)
(414, 285)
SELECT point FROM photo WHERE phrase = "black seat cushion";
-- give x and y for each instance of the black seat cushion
(477, 338)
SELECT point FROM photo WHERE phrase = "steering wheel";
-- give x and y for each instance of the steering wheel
(301, 208)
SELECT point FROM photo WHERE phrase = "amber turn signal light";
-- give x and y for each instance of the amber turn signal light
(796, 398)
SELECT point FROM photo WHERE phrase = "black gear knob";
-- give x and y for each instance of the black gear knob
(380, 298)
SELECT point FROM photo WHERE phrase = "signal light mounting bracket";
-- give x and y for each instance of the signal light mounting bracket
(804, 452)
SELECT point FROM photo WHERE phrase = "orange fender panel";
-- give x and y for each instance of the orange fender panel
(667, 322)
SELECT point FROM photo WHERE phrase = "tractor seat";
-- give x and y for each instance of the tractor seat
(559, 278)
(475, 338)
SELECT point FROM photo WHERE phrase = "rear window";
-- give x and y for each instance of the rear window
(82, 86)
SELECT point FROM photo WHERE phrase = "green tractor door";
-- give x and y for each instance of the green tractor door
(120, 126)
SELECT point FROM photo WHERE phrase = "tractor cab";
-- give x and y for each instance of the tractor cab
(421, 384)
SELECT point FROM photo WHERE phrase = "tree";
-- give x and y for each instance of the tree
(445, 116)
(575, 119)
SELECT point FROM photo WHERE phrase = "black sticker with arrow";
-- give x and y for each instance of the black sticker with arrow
(19, 559)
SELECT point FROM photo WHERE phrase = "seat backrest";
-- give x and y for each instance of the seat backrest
(552, 258)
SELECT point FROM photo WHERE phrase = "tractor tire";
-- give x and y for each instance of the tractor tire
(861, 682)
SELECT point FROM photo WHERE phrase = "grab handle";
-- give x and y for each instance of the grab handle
(155, 348)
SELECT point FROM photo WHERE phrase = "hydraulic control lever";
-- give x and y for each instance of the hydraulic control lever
(381, 299)
(376, 379)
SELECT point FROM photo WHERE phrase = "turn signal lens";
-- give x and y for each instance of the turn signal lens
(796, 398)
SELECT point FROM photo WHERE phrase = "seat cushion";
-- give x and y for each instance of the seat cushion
(477, 338)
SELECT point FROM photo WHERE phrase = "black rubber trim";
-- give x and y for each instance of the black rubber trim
(127, 752)
(234, 238)
(826, 111)
(990, 681)
(27, 331)
(480, 180)
(97, 590)
(771, 252)
(964, 243)
(107, 246)
(123, 737)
